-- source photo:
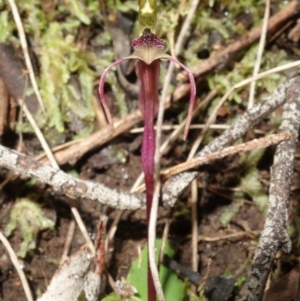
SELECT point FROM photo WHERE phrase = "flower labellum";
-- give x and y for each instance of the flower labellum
(148, 50)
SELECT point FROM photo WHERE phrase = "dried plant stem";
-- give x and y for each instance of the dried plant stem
(194, 207)
(24, 46)
(230, 236)
(151, 243)
(196, 111)
(68, 242)
(178, 46)
(228, 151)
(38, 133)
(83, 230)
(181, 126)
(261, 46)
(171, 35)
(164, 240)
(159, 123)
(15, 261)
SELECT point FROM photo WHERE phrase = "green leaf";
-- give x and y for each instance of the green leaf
(173, 288)
(112, 297)
(115, 297)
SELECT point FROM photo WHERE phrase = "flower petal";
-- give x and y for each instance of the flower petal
(148, 75)
(192, 92)
(101, 89)
(148, 47)
(148, 55)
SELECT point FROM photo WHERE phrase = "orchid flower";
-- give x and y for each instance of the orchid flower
(148, 51)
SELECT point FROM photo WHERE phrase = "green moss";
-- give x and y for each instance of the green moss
(64, 64)
(122, 6)
(28, 216)
(59, 95)
(6, 28)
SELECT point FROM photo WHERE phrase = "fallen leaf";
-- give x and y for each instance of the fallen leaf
(286, 288)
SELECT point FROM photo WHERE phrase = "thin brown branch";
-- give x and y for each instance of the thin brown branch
(4, 104)
(68, 241)
(24, 46)
(240, 235)
(100, 245)
(228, 151)
(260, 51)
(76, 151)
(220, 60)
(15, 261)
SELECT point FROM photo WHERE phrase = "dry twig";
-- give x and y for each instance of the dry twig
(220, 60)
(240, 235)
(15, 261)
(24, 46)
(68, 241)
(228, 151)
(261, 46)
